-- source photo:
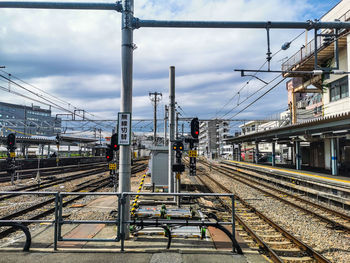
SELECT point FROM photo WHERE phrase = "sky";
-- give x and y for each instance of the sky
(76, 57)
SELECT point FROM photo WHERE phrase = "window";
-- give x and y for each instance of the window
(339, 89)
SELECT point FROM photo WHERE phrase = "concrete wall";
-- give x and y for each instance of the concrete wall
(338, 11)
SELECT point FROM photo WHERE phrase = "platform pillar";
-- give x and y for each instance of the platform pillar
(256, 152)
(297, 155)
(48, 150)
(334, 156)
(69, 153)
(239, 157)
(273, 154)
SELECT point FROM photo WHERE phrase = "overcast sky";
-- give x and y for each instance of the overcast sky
(75, 55)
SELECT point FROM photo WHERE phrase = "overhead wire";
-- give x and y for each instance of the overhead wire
(47, 102)
(252, 77)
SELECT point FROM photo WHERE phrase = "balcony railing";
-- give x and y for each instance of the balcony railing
(308, 50)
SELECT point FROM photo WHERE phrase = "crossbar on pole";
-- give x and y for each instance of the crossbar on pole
(62, 5)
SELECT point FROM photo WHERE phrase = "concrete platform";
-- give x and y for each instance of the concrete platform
(342, 181)
(128, 257)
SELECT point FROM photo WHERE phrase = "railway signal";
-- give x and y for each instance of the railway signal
(114, 142)
(11, 141)
(109, 154)
(58, 140)
(178, 167)
(195, 128)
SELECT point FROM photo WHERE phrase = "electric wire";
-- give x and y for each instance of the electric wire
(48, 101)
(238, 92)
(261, 96)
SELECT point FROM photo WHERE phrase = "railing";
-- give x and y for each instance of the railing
(308, 50)
(122, 221)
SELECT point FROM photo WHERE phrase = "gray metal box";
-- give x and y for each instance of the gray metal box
(159, 166)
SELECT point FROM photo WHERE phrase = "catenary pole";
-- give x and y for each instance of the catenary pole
(171, 128)
(165, 123)
(126, 99)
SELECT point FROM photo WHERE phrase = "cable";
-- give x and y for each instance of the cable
(238, 92)
(48, 102)
(250, 96)
(266, 92)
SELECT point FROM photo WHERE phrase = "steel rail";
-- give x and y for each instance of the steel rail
(325, 219)
(50, 210)
(53, 182)
(284, 232)
(329, 210)
(26, 173)
(266, 248)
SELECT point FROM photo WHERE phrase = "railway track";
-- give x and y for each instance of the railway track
(278, 243)
(49, 171)
(47, 206)
(335, 193)
(335, 219)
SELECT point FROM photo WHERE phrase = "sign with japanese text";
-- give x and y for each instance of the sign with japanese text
(124, 128)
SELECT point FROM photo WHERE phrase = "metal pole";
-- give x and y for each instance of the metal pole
(165, 123)
(155, 100)
(155, 120)
(334, 156)
(126, 100)
(297, 155)
(240, 24)
(61, 5)
(177, 126)
(171, 128)
(273, 154)
(239, 153)
(233, 219)
(56, 222)
(256, 152)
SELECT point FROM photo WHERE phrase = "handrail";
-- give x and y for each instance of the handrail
(24, 229)
(309, 49)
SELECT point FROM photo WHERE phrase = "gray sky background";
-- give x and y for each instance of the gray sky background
(75, 55)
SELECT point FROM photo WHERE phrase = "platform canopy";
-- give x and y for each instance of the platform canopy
(325, 127)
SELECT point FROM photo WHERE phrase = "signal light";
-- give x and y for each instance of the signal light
(109, 155)
(178, 146)
(114, 142)
(11, 141)
(195, 128)
(58, 139)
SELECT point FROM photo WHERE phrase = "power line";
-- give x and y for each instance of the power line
(266, 92)
(253, 76)
(247, 98)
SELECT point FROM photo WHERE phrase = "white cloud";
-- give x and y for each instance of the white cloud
(76, 54)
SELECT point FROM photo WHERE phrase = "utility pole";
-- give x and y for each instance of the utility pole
(165, 123)
(155, 97)
(177, 125)
(127, 46)
(171, 128)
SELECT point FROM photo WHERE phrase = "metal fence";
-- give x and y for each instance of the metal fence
(122, 220)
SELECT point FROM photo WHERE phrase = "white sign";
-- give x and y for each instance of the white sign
(124, 128)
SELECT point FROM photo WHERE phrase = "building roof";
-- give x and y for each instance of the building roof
(324, 126)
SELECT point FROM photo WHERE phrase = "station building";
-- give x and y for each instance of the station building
(26, 120)
(318, 135)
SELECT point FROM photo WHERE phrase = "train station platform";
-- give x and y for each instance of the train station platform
(315, 176)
